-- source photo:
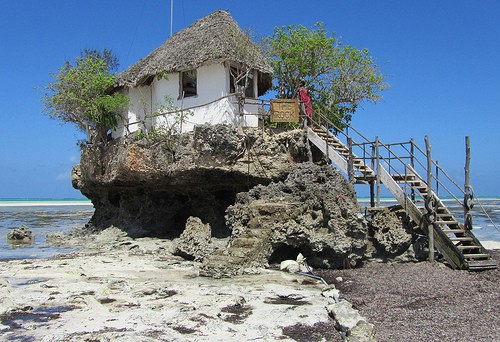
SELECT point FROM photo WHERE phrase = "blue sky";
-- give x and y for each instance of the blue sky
(441, 59)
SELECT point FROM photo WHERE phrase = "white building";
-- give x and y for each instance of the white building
(195, 69)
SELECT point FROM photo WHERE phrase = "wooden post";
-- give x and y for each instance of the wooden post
(182, 107)
(240, 95)
(326, 143)
(350, 162)
(412, 163)
(377, 157)
(467, 207)
(429, 200)
(262, 118)
(372, 182)
(437, 177)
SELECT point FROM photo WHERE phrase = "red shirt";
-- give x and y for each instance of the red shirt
(304, 97)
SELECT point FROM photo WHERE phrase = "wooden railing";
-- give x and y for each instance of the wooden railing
(395, 157)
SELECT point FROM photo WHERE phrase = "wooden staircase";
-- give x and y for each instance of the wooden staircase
(458, 245)
(340, 154)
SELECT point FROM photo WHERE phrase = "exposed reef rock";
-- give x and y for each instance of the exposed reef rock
(313, 212)
(195, 242)
(150, 187)
(22, 235)
(394, 237)
(392, 231)
(238, 200)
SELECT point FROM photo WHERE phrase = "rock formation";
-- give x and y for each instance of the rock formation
(150, 187)
(394, 237)
(313, 211)
(263, 192)
(21, 235)
(195, 242)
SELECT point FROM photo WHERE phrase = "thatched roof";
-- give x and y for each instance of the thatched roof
(215, 38)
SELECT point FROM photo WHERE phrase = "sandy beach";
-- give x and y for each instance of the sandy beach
(136, 290)
(117, 288)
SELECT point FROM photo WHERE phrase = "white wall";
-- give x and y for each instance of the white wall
(212, 84)
(135, 116)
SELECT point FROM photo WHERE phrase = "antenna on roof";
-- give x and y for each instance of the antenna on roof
(171, 16)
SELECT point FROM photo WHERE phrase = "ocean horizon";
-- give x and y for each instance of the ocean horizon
(21, 202)
(83, 201)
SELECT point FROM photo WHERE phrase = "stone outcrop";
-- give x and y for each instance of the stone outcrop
(394, 237)
(238, 200)
(313, 211)
(195, 242)
(150, 187)
(392, 231)
(349, 322)
(21, 235)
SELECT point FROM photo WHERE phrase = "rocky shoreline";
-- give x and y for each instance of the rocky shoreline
(119, 288)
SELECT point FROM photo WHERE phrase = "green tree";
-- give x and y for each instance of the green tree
(81, 93)
(339, 77)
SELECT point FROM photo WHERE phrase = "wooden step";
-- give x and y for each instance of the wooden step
(479, 265)
(444, 216)
(340, 148)
(447, 222)
(461, 239)
(468, 247)
(398, 177)
(476, 256)
(453, 231)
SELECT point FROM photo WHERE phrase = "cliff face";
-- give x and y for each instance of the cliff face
(148, 187)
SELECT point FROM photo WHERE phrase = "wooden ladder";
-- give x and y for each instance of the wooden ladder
(457, 244)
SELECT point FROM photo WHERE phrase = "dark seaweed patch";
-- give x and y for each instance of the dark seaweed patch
(287, 300)
(321, 331)
(236, 313)
(15, 318)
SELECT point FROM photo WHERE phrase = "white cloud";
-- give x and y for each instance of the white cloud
(64, 176)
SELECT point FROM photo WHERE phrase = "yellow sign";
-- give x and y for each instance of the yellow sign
(284, 110)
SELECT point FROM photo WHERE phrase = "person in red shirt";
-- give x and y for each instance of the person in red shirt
(305, 99)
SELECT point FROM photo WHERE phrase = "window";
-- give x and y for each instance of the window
(236, 73)
(188, 83)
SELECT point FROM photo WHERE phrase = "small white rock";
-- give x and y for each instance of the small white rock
(332, 293)
(291, 266)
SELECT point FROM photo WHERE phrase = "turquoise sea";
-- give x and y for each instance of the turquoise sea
(44, 216)
(41, 216)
